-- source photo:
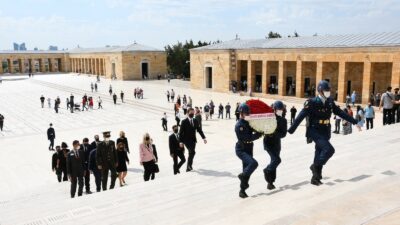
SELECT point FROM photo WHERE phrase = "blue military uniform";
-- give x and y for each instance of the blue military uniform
(319, 111)
(272, 144)
(244, 150)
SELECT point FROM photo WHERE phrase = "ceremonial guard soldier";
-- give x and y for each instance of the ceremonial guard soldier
(318, 110)
(107, 160)
(244, 148)
(272, 144)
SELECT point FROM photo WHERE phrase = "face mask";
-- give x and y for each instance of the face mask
(327, 94)
(107, 139)
(147, 138)
(176, 131)
(76, 148)
(279, 112)
(191, 115)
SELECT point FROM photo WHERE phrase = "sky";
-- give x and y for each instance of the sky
(157, 23)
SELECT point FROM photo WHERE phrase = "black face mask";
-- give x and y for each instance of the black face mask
(176, 131)
(191, 115)
(147, 138)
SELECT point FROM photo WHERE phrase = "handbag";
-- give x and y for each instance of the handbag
(155, 169)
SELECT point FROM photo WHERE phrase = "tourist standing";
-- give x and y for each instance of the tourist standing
(353, 98)
(167, 95)
(293, 112)
(220, 111)
(387, 103)
(110, 90)
(115, 98)
(164, 122)
(42, 101)
(228, 111)
(51, 135)
(369, 116)
(122, 96)
(99, 101)
(49, 102)
(1, 122)
(72, 104)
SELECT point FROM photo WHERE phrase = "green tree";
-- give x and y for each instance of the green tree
(178, 56)
(272, 34)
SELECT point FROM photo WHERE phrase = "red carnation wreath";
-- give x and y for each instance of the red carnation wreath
(262, 117)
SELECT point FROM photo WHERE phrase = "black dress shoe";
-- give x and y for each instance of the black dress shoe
(243, 194)
(188, 169)
(89, 192)
(270, 186)
(315, 181)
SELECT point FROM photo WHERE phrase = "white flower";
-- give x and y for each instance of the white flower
(263, 123)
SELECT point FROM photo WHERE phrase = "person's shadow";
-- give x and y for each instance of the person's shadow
(214, 173)
(135, 170)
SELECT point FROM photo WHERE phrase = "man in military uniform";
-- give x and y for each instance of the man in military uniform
(244, 148)
(107, 160)
(272, 144)
(318, 110)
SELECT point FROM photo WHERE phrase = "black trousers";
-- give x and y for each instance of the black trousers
(1, 125)
(370, 121)
(396, 113)
(191, 149)
(74, 181)
(62, 174)
(87, 180)
(181, 155)
(164, 125)
(148, 170)
(97, 179)
(71, 106)
(104, 175)
(387, 116)
(292, 118)
(337, 125)
(51, 146)
(228, 114)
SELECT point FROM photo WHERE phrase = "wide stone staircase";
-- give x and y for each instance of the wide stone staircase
(361, 186)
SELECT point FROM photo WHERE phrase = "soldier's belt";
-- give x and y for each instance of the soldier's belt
(248, 142)
(324, 122)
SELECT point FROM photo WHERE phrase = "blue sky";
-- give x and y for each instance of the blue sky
(94, 23)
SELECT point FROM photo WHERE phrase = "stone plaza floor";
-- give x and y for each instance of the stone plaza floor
(361, 180)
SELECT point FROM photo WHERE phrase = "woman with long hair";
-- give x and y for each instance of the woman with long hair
(147, 158)
(122, 160)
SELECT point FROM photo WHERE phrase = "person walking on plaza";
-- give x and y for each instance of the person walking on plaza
(122, 160)
(84, 103)
(164, 122)
(71, 103)
(176, 151)
(54, 162)
(337, 124)
(272, 144)
(99, 101)
(369, 116)
(85, 148)
(167, 93)
(293, 112)
(207, 111)
(91, 86)
(244, 148)
(396, 106)
(107, 160)
(122, 96)
(220, 111)
(237, 113)
(51, 135)
(360, 116)
(49, 102)
(93, 168)
(122, 139)
(61, 163)
(110, 90)
(42, 101)
(67, 101)
(228, 111)
(319, 110)
(75, 168)
(115, 98)
(187, 136)
(387, 103)
(56, 105)
(172, 95)
(353, 98)
(95, 87)
(198, 116)
(178, 118)
(147, 158)
(1, 122)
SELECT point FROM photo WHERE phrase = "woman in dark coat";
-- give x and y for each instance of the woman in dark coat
(124, 140)
(122, 160)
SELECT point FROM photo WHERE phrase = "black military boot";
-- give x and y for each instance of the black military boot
(319, 174)
(268, 175)
(244, 181)
(314, 178)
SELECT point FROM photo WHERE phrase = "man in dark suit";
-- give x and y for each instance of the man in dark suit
(107, 160)
(85, 147)
(187, 136)
(51, 135)
(175, 150)
(75, 168)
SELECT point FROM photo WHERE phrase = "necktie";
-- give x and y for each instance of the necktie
(191, 122)
(77, 154)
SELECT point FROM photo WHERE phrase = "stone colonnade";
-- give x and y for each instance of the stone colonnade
(30, 64)
(96, 66)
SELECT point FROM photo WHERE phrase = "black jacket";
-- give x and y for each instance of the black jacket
(51, 133)
(86, 151)
(273, 141)
(92, 160)
(106, 153)
(187, 132)
(75, 165)
(174, 144)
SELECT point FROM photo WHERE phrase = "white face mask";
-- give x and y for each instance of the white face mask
(327, 94)
(279, 112)
(107, 139)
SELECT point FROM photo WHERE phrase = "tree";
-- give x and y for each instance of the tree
(178, 56)
(274, 35)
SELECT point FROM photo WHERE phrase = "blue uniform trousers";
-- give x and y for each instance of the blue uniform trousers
(249, 163)
(274, 154)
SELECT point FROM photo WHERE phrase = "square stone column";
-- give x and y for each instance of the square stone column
(10, 63)
(264, 82)
(31, 65)
(42, 66)
(299, 79)
(342, 82)
(21, 64)
(250, 76)
(396, 74)
(366, 83)
(318, 76)
(281, 81)
(51, 65)
(1, 66)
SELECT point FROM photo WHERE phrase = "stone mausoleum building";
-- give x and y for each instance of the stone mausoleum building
(133, 62)
(365, 63)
